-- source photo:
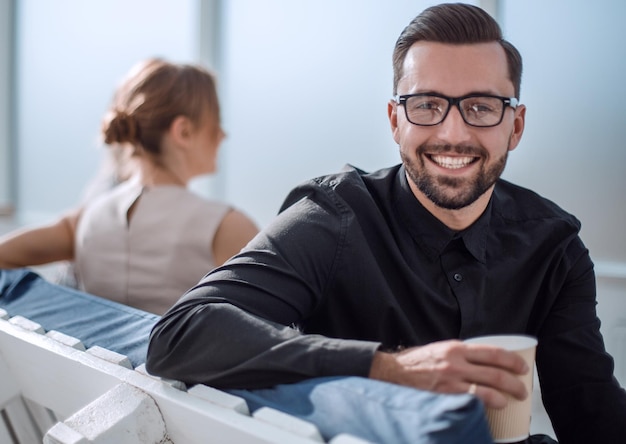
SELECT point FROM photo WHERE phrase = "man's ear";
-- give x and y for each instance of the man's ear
(180, 130)
(518, 127)
(392, 113)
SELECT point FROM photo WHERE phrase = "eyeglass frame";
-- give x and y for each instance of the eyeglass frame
(513, 102)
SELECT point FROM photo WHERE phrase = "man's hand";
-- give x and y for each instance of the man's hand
(453, 367)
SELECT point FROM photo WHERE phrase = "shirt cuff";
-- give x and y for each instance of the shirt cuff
(345, 357)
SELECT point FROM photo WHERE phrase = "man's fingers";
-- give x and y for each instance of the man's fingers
(491, 398)
(495, 356)
(497, 371)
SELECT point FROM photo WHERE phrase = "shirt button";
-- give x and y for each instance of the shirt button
(458, 277)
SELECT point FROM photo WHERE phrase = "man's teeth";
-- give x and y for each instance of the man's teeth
(452, 162)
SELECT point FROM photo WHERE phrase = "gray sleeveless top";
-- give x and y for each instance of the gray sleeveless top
(150, 262)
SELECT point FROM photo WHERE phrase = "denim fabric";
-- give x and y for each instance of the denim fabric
(377, 411)
(93, 320)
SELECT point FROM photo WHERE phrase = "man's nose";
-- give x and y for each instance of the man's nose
(453, 129)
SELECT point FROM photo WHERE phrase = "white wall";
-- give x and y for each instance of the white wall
(71, 56)
(573, 150)
(6, 54)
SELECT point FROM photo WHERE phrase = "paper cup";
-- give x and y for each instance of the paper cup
(512, 423)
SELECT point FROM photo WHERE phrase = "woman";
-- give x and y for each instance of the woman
(149, 239)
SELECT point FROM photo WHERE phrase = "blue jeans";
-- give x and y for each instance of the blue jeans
(93, 320)
(377, 411)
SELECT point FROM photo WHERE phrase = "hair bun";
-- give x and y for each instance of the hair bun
(120, 127)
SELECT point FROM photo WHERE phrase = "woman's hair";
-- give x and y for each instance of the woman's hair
(153, 94)
(455, 23)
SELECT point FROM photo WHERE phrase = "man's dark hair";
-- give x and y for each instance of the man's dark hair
(455, 23)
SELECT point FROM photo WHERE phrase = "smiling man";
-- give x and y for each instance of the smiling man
(349, 309)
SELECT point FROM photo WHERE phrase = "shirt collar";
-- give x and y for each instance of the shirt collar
(430, 234)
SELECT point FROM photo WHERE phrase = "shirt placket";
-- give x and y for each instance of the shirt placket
(456, 264)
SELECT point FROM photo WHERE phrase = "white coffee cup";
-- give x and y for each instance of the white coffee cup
(512, 423)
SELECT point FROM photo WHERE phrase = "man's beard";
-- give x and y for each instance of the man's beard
(467, 191)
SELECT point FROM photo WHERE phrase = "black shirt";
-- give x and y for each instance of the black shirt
(354, 263)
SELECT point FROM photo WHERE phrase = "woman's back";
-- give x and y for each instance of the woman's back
(150, 259)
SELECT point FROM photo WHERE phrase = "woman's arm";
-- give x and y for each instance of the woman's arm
(39, 245)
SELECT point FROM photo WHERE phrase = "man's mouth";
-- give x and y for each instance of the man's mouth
(452, 163)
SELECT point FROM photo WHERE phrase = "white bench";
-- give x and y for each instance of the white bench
(54, 391)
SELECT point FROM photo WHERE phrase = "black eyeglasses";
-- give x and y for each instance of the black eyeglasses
(481, 110)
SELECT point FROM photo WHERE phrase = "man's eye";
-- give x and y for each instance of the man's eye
(481, 108)
(426, 105)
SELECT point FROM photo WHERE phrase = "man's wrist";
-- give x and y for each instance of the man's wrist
(382, 362)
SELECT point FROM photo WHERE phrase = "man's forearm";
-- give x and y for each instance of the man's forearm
(220, 345)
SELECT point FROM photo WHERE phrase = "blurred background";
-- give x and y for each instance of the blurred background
(304, 87)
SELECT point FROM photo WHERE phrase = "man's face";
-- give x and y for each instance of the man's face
(453, 164)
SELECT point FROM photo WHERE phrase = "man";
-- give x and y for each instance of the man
(364, 278)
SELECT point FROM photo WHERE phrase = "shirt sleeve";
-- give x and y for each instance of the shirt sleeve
(583, 399)
(238, 328)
